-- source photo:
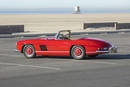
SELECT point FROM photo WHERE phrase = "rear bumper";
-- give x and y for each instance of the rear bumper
(112, 49)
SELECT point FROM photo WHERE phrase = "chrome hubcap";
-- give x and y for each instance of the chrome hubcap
(29, 50)
(78, 52)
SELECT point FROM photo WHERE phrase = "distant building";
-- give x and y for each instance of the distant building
(77, 10)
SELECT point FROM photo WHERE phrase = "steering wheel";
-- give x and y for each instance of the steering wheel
(63, 37)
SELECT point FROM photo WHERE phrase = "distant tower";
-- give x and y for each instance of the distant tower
(76, 9)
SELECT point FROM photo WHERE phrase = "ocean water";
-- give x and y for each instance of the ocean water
(35, 12)
(58, 12)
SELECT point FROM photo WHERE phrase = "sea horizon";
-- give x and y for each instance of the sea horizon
(59, 11)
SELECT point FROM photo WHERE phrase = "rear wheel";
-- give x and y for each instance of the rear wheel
(78, 52)
(29, 51)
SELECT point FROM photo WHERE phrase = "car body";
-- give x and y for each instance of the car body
(63, 45)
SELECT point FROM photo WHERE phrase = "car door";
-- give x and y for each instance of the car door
(58, 47)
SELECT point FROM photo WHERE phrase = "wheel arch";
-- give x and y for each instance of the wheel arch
(25, 45)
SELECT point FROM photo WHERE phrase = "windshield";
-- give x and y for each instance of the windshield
(64, 35)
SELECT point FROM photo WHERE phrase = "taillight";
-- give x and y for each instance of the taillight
(103, 49)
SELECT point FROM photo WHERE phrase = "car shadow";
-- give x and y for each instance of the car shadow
(111, 57)
(53, 57)
(106, 57)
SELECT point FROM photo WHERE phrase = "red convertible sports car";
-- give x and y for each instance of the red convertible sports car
(64, 45)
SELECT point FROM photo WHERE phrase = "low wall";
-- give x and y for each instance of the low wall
(8, 29)
(99, 25)
(123, 26)
(114, 25)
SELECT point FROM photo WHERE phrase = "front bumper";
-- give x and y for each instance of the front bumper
(112, 49)
(17, 51)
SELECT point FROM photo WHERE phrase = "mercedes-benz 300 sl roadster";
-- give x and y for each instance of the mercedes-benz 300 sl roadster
(62, 44)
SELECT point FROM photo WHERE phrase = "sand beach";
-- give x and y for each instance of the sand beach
(48, 23)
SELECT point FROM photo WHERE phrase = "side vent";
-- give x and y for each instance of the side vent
(43, 47)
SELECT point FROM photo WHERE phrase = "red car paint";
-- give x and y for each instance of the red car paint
(63, 47)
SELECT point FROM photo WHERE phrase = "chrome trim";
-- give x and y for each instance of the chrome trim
(90, 52)
(17, 50)
(99, 52)
(112, 49)
(53, 51)
(102, 51)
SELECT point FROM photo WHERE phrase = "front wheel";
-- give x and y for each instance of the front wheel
(78, 52)
(29, 51)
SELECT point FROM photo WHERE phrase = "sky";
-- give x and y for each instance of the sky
(84, 4)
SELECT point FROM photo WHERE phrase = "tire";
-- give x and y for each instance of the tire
(92, 56)
(29, 51)
(78, 52)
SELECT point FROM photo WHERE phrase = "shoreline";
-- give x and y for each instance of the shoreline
(63, 13)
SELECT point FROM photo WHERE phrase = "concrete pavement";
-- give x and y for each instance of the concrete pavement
(111, 70)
